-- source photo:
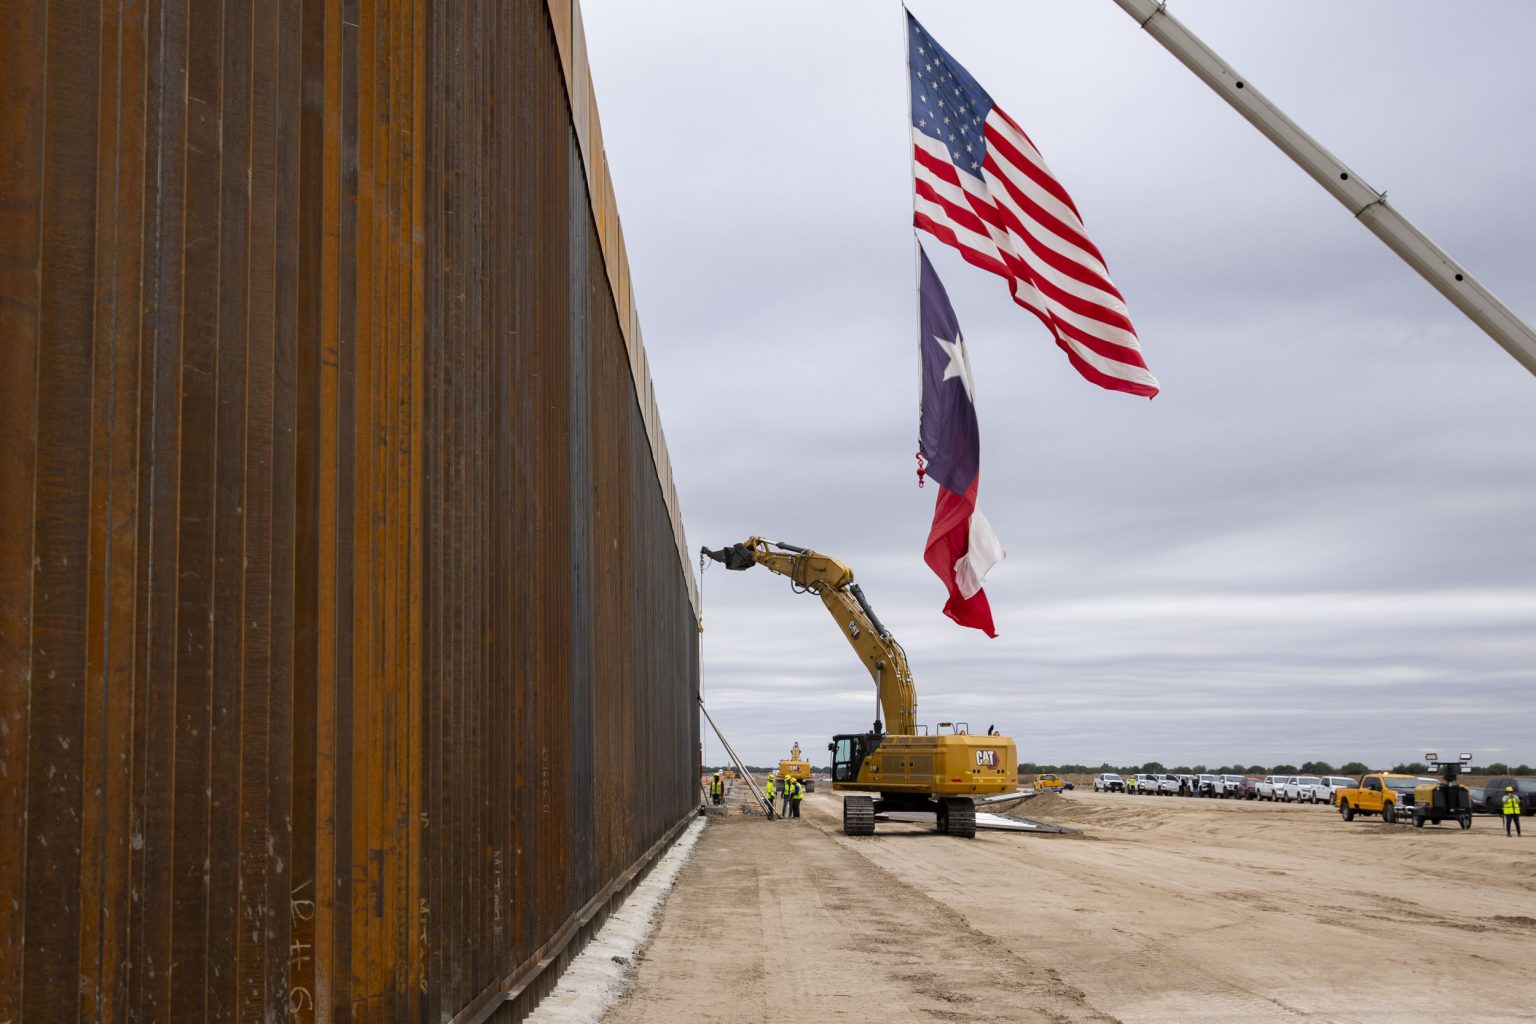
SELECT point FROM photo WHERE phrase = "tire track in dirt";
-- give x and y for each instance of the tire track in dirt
(1192, 911)
(779, 922)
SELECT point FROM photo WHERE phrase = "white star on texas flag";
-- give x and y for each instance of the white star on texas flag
(959, 363)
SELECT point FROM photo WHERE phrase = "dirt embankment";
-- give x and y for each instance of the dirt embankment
(1165, 910)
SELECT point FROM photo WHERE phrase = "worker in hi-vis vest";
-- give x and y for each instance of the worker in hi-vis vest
(717, 788)
(1511, 810)
(795, 796)
(769, 792)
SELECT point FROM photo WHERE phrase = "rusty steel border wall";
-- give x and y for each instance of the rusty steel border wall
(348, 647)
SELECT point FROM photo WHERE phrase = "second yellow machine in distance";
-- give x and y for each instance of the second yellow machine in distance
(796, 767)
(906, 767)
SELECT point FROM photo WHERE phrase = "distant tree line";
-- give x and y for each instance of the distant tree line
(1306, 768)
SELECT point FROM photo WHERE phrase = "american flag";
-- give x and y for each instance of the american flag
(981, 186)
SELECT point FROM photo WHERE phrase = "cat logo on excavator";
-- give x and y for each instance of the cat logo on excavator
(986, 759)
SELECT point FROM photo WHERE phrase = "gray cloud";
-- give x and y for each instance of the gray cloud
(1327, 509)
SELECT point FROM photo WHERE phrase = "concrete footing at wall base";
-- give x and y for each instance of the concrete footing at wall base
(517, 995)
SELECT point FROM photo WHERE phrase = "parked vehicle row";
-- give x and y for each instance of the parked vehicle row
(1391, 795)
(1301, 789)
(1170, 784)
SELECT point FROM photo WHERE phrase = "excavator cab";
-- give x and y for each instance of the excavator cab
(848, 753)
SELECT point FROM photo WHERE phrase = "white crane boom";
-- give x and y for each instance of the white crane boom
(1368, 206)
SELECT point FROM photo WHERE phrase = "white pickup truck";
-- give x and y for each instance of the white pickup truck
(1323, 792)
(1108, 782)
(1298, 789)
(1226, 786)
(1269, 786)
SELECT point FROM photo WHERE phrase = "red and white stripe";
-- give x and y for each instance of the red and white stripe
(1018, 222)
(961, 550)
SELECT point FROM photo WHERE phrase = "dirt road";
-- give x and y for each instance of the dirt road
(1165, 910)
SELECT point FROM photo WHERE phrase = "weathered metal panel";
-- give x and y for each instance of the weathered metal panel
(584, 561)
(22, 30)
(347, 637)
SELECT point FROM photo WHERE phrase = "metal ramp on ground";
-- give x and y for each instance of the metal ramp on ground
(986, 820)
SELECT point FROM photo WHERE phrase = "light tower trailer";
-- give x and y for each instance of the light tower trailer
(1445, 801)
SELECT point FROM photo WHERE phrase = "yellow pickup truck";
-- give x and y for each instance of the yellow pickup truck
(1385, 793)
(1048, 783)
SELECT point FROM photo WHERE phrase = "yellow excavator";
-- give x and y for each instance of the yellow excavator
(796, 767)
(901, 763)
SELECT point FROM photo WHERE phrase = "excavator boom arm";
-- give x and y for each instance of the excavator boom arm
(832, 581)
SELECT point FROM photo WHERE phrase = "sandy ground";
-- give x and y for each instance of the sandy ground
(1165, 910)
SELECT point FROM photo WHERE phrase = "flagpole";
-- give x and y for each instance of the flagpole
(1369, 207)
(917, 246)
(906, 45)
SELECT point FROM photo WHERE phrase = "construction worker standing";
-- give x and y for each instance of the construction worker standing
(786, 786)
(1511, 810)
(796, 795)
(717, 789)
(769, 793)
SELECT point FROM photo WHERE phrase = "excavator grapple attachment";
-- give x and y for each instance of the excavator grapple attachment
(737, 557)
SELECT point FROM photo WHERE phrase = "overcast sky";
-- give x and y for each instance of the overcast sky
(1319, 542)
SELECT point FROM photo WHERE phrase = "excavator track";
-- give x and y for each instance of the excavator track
(957, 817)
(859, 816)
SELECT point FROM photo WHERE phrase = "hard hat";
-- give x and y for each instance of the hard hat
(1509, 789)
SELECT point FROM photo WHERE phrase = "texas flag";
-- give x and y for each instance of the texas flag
(961, 545)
